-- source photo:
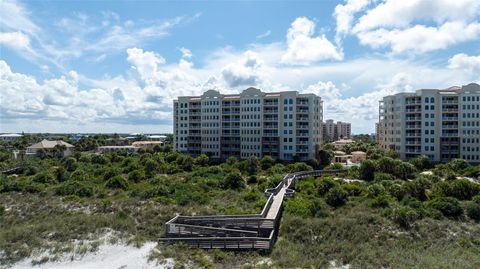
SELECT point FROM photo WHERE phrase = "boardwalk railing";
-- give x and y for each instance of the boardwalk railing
(254, 231)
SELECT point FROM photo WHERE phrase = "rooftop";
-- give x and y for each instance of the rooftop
(48, 144)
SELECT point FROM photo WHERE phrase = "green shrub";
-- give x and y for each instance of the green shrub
(298, 207)
(459, 188)
(266, 162)
(202, 160)
(353, 189)
(336, 197)
(417, 188)
(251, 196)
(325, 185)
(110, 173)
(44, 177)
(151, 167)
(449, 206)
(473, 211)
(70, 164)
(145, 190)
(136, 175)
(100, 159)
(82, 189)
(298, 167)
(252, 179)
(2, 210)
(386, 165)
(318, 208)
(476, 199)
(397, 191)
(117, 182)
(464, 189)
(381, 201)
(367, 170)
(379, 176)
(78, 175)
(234, 180)
(375, 190)
(421, 162)
(458, 165)
(472, 171)
(60, 174)
(405, 170)
(404, 216)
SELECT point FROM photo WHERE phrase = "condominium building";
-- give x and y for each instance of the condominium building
(441, 124)
(334, 131)
(285, 125)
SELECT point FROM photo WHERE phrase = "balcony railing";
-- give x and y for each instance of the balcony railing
(450, 126)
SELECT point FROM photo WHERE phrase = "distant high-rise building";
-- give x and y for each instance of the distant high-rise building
(334, 131)
(285, 125)
(441, 124)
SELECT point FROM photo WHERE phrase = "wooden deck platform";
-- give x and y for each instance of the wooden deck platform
(246, 232)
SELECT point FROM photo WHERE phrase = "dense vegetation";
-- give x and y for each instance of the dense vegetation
(385, 213)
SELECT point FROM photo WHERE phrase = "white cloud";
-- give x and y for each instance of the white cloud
(304, 48)
(263, 35)
(15, 40)
(186, 53)
(344, 15)
(245, 72)
(392, 13)
(420, 38)
(414, 26)
(146, 63)
(15, 17)
(465, 62)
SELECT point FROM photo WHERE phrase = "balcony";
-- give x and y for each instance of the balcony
(449, 126)
(271, 118)
(270, 103)
(455, 134)
(450, 101)
(416, 126)
(302, 118)
(302, 126)
(450, 110)
(270, 111)
(413, 135)
(413, 110)
(300, 110)
(414, 118)
(450, 118)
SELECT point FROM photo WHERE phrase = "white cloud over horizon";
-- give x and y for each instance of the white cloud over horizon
(303, 59)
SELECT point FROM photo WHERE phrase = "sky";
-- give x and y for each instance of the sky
(116, 66)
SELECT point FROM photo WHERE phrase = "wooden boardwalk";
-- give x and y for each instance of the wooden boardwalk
(249, 232)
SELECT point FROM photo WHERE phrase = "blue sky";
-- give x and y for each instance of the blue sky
(116, 66)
